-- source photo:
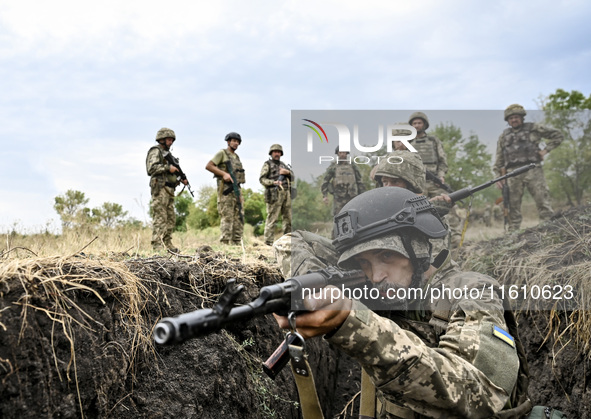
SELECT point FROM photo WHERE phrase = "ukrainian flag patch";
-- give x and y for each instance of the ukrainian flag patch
(504, 336)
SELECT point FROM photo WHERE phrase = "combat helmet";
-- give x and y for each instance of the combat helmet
(234, 135)
(403, 165)
(514, 109)
(387, 218)
(276, 147)
(165, 133)
(400, 132)
(421, 115)
(336, 150)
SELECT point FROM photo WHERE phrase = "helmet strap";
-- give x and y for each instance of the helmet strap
(420, 266)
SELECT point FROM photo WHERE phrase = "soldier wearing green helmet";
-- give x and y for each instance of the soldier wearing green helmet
(403, 169)
(518, 145)
(342, 180)
(163, 182)
(431, 151)
(420, 357)
(277, 178)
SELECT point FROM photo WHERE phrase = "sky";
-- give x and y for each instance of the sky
(86, 85)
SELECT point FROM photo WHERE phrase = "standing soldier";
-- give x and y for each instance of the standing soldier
(227, 169)
(431, 151)
(342, 180)
(276, 177)
(163, 181)
(519, 145)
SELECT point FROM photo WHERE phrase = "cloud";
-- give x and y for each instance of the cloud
(89, 84)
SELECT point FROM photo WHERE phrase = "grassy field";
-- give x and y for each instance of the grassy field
(124, 243)
(134, 242)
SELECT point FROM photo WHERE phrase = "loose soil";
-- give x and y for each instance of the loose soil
(75, 335)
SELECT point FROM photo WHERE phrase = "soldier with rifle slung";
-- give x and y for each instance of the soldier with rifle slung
(165, 175)
(277, 178)
(227, 169)
(519, 145)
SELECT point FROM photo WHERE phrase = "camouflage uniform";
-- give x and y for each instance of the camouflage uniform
(231, 226)
(434, 158)
(277, 198)
(431, 151)
(162, 185)
(519, 147)
(443, 360)
(343, 181)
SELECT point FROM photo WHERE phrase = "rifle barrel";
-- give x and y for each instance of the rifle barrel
(466, 192)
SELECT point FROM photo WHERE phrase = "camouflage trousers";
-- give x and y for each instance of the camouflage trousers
(163, 216)
(535, 182)
(231, 227)
(280, 206)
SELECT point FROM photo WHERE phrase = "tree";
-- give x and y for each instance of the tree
(469, 164)
(182, 206)
(568, 167)
(308, 207)
(109, 214)
(254, 207)
(204, 212)
(70, 208)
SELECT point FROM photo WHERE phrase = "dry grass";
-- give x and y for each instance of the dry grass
(64, 287)
(554, 254)
(53, 285)
(123, 243)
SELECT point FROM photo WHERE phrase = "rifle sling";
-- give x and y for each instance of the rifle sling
(305, 383)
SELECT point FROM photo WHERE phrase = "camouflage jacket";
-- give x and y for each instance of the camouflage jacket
(220, 159)
(342, 180)
(270, 173)
(518, 147)
(158, 167)
(431, 151)
(451, 359)
(469, 370)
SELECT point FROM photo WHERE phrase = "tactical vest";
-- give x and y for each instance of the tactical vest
(274, 174)
(345, 182)
(518, 149)
(427, 149)
(237, 168)
(169, 179)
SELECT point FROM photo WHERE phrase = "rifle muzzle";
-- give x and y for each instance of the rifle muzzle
(164, 332)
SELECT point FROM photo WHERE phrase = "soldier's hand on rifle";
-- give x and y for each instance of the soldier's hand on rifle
(283, 171)
(227, 178)
(442, 179)
(325, 199)
(325, 315)
(172, 169)
(442, 197)
(542, 153)
(500, 184)
(185, 182)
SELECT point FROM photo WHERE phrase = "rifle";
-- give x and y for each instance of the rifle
(292, 190)
(277, 298)
(433, 178)
(180, 175)
(235, 187)
(466, 192)
(506, 202)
